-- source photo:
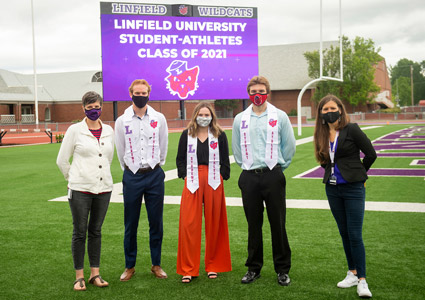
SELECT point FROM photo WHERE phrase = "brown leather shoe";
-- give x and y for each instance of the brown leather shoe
(127, 274)
(158, 272)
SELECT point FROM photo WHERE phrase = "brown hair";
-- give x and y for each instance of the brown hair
(91, 97)
(193, 126)
(259, 80)
(321, 131)
(139, 81)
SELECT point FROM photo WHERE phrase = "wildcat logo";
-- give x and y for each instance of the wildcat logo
(213, 144)
(183, 9)
(272, 122)
(154, 123)
(182, 81)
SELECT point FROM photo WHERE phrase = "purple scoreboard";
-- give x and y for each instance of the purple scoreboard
(186, 52)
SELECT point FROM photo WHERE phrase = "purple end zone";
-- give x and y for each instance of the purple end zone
(388, 143)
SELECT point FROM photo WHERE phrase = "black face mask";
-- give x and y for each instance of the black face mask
(331, 117)
(140, 101)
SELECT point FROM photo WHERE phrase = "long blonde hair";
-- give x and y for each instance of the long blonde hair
(321, 131)
(193, 126)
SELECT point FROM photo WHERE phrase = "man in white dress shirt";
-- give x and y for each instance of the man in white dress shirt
(141, 138)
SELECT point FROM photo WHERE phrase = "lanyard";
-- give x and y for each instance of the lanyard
(332, 149)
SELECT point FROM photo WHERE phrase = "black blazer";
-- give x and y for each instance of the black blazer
(351, 141)
(202, 154)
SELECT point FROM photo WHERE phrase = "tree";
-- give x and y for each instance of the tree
(359, 58)
(403, 70)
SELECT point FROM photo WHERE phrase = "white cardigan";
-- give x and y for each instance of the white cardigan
(90, 170)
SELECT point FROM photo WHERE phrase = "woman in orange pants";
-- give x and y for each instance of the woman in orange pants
(203, 161)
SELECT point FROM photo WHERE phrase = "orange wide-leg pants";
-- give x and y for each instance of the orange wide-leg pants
(217, 249)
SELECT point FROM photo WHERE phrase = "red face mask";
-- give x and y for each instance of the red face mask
(258, 99)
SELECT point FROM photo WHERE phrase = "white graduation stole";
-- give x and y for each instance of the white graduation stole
(192, 163)
(153, 141)
(132, 155)
(213, 161)
(272, 142)
(272, 138)
(246, 149)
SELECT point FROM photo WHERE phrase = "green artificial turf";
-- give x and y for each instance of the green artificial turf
(35, 237)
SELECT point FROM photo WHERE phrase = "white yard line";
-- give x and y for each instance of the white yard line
(292, 203)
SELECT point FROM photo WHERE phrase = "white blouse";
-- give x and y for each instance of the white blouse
(90, 170)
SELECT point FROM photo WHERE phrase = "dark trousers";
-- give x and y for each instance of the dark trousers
(347, 203)
(268, 187)
(82, 206)
(149, 186)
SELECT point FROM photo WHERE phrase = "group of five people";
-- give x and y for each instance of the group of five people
(263, 145)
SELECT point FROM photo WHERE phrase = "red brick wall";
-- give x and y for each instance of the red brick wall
(4, 109)
(287, 100)
(42, 111)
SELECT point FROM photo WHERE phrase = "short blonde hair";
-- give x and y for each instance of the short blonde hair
(139, 81)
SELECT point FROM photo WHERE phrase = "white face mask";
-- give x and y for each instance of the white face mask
(203, 121)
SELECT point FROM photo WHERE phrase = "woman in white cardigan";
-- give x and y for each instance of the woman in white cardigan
(90, 143)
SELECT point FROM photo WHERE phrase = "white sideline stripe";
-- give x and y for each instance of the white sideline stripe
(304, 140)
(370, 127)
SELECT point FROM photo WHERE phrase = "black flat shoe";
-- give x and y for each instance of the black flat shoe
(250, 276)
(283, 279)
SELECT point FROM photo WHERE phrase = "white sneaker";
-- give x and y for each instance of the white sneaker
(349, 281)
(363, 289)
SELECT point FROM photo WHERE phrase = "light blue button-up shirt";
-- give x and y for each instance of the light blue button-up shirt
(258, 136)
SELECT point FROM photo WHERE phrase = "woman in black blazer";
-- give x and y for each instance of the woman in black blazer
(337, 144)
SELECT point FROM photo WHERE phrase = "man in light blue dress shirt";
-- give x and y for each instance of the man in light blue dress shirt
(263, 158)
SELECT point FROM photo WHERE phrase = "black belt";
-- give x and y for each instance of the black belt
(262, 170)
(143, 170)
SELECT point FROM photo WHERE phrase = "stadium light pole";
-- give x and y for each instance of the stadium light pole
(321, 77)
(34, 66)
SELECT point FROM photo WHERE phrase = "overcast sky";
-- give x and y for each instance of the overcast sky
(67, 33)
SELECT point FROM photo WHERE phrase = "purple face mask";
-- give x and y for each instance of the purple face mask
(93, 114)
